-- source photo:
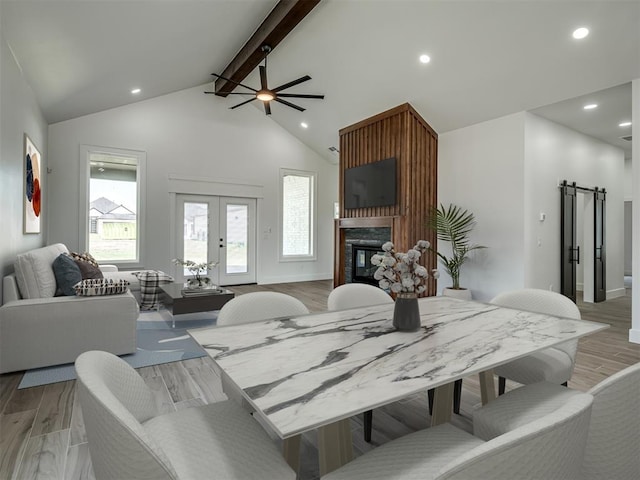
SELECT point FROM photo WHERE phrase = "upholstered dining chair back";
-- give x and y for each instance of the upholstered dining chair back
(542, 301)
(551, 447)
(115, 401)
(256, 306)
(353, 295)
(613, 446)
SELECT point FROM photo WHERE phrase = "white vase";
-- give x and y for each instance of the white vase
(462, 293)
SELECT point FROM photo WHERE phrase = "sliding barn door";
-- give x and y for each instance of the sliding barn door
(600, 271)
(569, 252)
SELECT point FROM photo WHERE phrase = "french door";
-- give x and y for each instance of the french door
(218, 229)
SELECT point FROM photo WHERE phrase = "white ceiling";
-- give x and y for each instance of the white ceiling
(489, 58)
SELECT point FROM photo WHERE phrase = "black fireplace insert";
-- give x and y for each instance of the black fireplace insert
(362, 269)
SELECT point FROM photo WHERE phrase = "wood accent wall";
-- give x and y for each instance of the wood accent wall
(401, 133)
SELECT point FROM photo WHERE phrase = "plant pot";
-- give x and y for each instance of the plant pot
(197, 283)
(461, 293)
(406, 313)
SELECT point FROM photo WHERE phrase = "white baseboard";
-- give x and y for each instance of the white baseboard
(295, 278)
(616, 293)
(580, 287)
(634, 335)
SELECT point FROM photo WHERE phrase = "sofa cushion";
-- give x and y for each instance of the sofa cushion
(88, 270)
(67, 274)
(34, 271)
(93, 287)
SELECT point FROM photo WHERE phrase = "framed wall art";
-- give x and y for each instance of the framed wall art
(32, 186)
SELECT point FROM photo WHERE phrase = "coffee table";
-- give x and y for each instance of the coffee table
(172, 298)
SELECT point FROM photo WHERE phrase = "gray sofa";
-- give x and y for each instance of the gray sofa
(38, 329)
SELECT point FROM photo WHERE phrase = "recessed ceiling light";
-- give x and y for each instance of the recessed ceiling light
(591, 106)
(425, 58)
(304, 125)
(135, 91)
(624, 124)
(580, 33)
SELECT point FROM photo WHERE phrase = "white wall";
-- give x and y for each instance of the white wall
(481, 168)
(554, 153)
(190, 134)
(506, 171)
(19, 114)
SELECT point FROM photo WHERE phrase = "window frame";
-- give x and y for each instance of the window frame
(141, 189)
(312, 256)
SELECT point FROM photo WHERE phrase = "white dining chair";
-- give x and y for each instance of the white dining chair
(256, 306)
(354, 295)
(551, 447)
(554, 364)
(130, 439)
(613, 444)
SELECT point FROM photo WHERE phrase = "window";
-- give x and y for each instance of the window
(112, 185)
(298, 205)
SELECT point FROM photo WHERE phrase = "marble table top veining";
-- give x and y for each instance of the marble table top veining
(304, 372)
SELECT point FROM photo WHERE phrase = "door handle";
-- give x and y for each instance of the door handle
(575, 255)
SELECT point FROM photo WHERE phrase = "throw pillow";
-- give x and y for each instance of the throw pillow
(84, 257)
(92, 287)
(88, 266)
(67, 274)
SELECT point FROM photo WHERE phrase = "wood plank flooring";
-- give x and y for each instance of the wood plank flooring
(42, 431)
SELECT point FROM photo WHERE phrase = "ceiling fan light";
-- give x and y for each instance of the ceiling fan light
(265, 95)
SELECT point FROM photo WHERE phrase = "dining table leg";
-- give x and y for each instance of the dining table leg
(335, 448)
(442, 404)
(487, 386)
(291, 451)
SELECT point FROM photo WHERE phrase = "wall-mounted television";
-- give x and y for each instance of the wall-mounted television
(371, 185)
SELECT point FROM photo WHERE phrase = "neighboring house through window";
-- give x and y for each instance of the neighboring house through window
(297, 190)
(113, 185)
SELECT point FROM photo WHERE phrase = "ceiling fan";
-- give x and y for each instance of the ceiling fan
(266, 94)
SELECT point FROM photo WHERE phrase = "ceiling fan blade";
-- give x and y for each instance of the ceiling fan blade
(263, 78)
(243, 103)
(302, 95)
(291, 84)
(289, 104)
(233, 81)
(233, 93)
(267, 108)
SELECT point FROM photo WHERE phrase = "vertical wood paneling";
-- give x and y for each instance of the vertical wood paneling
(403, 134)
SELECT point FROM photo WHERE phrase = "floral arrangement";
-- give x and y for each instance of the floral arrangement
(196, 269)
(401, 272)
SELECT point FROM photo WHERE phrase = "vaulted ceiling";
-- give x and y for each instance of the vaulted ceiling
(488, 58)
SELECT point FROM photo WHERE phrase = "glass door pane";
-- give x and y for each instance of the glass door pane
(195, 233)
(237, 238)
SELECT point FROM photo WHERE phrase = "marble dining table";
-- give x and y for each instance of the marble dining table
(316, 371)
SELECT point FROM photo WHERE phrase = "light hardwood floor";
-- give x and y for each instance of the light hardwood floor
(42, 432)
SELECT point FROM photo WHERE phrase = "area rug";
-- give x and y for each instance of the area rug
(158, 342)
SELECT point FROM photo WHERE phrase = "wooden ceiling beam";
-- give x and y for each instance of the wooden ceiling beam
(281, 20)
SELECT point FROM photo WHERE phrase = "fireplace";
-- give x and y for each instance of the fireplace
(361, 268)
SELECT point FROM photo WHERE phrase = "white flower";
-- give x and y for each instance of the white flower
(422, 245)
(387, 247)
(412, 256)
(389, 261)
(421, 271)
(407, 282)
(379, 273)
(384, 284)
(376, 259)
(396, 287)
(435, 273)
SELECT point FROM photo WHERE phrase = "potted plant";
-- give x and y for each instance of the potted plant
(198, 270)
(453, 224)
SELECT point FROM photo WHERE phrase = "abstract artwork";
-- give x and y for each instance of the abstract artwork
(33, 186)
